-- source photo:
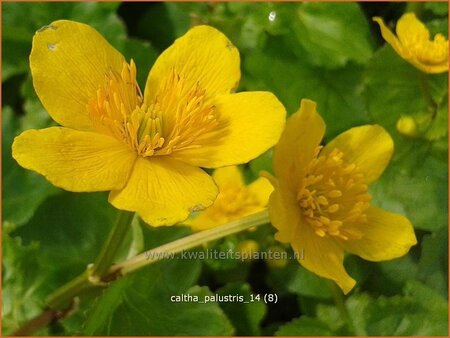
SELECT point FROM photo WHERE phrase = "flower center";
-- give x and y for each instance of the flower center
(428, 51)
(179, 117)
(333, 196)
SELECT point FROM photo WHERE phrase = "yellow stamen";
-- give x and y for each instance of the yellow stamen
(178, 118)
(333, 196)
(233, 201)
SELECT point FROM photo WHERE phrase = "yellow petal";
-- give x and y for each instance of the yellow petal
(386, 236)
(370, 147)
(411, 32)
(249, 124)
(392, 39)
(414, 38)
(321, 255)
(283, 212)
(205, 221)
(204, 56)
(164, 191)
(75, 160)
(432, 69)
(234, 201)
(261, 190)
(303, 133)
(69, 61)
(228, 176)
(410, 28)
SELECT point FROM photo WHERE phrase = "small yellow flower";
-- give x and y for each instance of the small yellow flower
(320, 204)
(277, 259)
(248, 249)
(406, 125)
(147, 148)
(235, 199)
(413, 44)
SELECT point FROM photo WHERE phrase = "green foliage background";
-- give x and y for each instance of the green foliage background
(329, 52)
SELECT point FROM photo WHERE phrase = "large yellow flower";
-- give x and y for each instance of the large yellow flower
(320, 204)
(146, 148)
(235, 199)
(413, 44)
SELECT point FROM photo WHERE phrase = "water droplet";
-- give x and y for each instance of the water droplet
(272, 16)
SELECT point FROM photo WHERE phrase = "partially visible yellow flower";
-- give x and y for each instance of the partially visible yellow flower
(147, 148)
(413, 44)
(235, 199)
(278, 257)
(248, 249)
(407, 126)
(320, 204)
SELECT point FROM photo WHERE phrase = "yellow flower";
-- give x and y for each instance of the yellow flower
(235, 199)
(277, 259)
(413, 44)
(146, 148)
(407, 126)
(248, 249)
(320, 204)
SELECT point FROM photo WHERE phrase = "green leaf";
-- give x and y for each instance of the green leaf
(36, 117)
(304, 326)
(399, 271)
(416, 174)
(438, 26)
(246, 318)
(71, 227)
(337, 92)
(356, 305)
(438, 8)
(330, 316)
(433, 263)
(332, 34)
(23, 190)
(161, 23)
(394, 88)
(24, 285)
(420, 312)
(102, 17)
(141, 304)
(428, 298)
(306, 283)
(418, 169)
(245, 23)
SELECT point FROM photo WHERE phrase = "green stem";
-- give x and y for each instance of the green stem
(112, 245)
(42, 320)
(189, 242)
(59, 305)
(425, 88)
(339, 300)
(64, 296)
(61, 302)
